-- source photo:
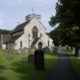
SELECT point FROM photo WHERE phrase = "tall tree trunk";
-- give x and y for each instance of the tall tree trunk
(76, 51)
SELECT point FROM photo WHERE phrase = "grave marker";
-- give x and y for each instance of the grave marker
(47, 50)
(39, 59)
(31, 58)
(10, 55)
(55, 50)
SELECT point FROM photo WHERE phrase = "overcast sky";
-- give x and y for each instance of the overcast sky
(13, 12)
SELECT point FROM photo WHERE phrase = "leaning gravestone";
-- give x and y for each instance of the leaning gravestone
(19, 50)
(10, 55)
(39, 59)
(55, 50)
(22, 50)
(26, 49)
(31, 58)
(47, 50)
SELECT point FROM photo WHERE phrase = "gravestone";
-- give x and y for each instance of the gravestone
(31, 58)
(19, 50)
(5, 51)
(24, 58)
(10, 55)
(39, 59)
(26, 49)
(22, 50)
(55, 50)
(73, 52)
(47, 50)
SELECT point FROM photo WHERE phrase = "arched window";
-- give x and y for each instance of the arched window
(20, 44)
(48, 43)
(40, 35)
(35, 32)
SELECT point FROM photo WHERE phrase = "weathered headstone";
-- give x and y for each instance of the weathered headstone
(31, 58)
(24, 58)
(19, 50)
(47, 50)
(10, 55)
(39, 60)
(22, 50)
(73, 52)
(5, 51)
(26, 49)
(55, 50)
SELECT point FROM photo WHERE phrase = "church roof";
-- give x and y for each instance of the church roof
(6, 37)
(20, 27)
(11, 40)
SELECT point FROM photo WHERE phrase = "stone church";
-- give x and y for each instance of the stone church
(30, 34)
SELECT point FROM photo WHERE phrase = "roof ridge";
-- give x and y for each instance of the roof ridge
(20, 27)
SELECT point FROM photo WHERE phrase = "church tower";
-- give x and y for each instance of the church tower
(30, 16)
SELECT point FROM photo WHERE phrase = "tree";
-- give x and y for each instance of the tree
(68, 18)
(5, 31)
(55, 35)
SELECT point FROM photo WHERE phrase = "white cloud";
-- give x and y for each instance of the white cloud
(16, 10)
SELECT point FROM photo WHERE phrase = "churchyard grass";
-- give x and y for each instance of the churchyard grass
(18, 68)
(75, 62)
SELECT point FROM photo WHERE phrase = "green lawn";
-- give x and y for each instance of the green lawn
(75, 62)
(19, 69)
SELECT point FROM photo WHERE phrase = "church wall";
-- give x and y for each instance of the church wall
(24, 40)
(45, 38)
(29, 27)
(10, 46)
(34, 22)
(27, 37)
(3, 46)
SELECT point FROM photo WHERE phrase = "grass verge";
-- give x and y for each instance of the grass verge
(75, 62)
(19, 69)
